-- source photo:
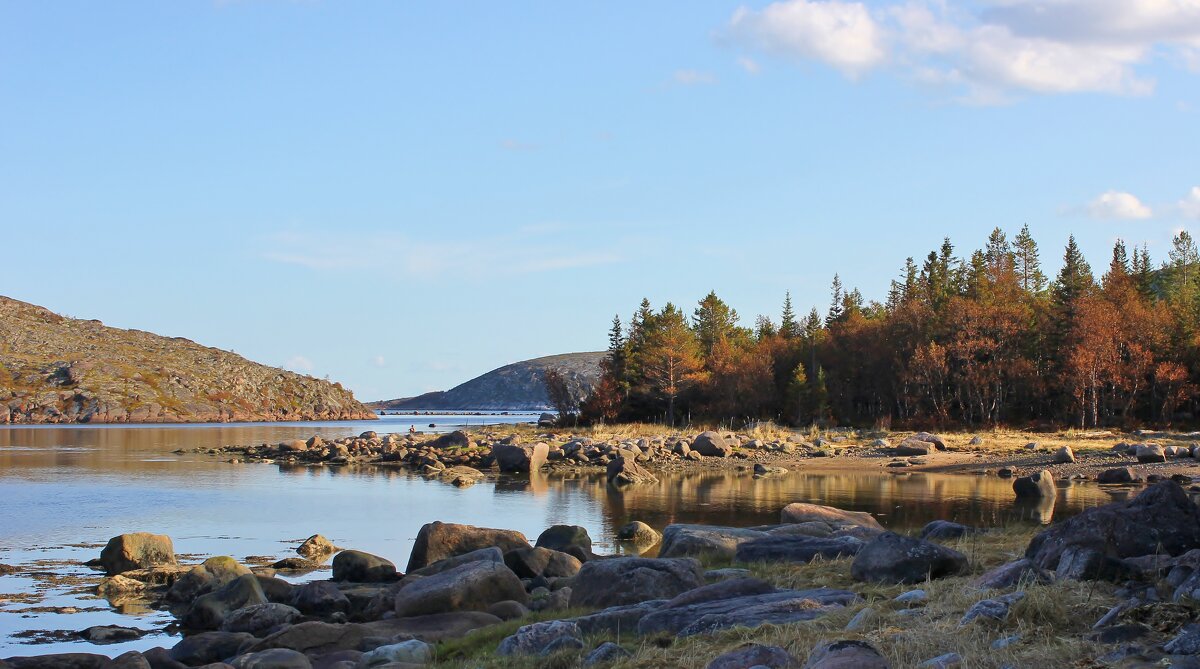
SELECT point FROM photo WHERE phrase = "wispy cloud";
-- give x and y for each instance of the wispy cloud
(988, 51)
(1189, 206)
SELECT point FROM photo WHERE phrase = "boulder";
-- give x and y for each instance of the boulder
(474, 586)
(461, 476)
(893, 558)
(317, 548)
(208, 612)
(740, 603)
(438, 541)
(606, 653)
(1039, 485)
(719, 543)
(259, 619)
(797, 548)
(547, 420)
(911, 446)
(928, 438)
(623, 471)
(320, 598)
(848, 654)
(1162, 520)
(944, 530)
(1148, 453)
(541, 562)
(1063, 456)
(1012, 574)
(536, 638)
(571, 539)
(360, 567)
(205, 577)
(638, 534)
(490, 554)
(413, 651)
(711, 444)
(275, 658)
(992, 609)
(800, 512)
(517, 458)
(102, 634)
(1118, 475)
(617, 619)
(208, 647)
(508, 610)
(630, 580)
(138, 550)
(754, 655)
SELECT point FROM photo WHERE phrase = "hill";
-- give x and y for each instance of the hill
(515, 387)
(55, 369)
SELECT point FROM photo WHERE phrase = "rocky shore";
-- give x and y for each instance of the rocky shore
(1117, 585)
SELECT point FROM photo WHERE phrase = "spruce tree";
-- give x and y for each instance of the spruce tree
(788, 327)
(1027, 264)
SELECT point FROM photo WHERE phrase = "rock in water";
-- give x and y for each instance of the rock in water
(520, 459)
(801, 512)
(1118, 475)
(570, 539)
(712, 444)
(624, 472)
(137, 550)
(438, 541)
(1039, 485)
(317, 547)
(360, 567)
(620, 581)
(209, 611)
(892, 558)
(1160, 520)
(638, 534)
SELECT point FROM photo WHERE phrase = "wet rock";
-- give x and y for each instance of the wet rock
(1149, 453)
(622, 472)
(437, 541)
(260, 619)
(943, 530)
(360, 567)
(413, 651)
(606, 653)
(761, 470)
(208, 611)
(295, 564)
(995, 609)
(320, 598)
(800, 512)
(474, 586)
(276, 589)
(517, 458)
(207, 647)
(790, 548)
(569, 539)
(534, 639)
(275, 658)
(638, 534)
(1161, 520)
(711, 444)
(629, 580)
(462, 476)
(1034, 486)
(754, 655)
(892, 558)
(138, 550)
(317, 548)
(543, 562)
(848, 654)
(110, 634)
(1118, 475)
(719, 543)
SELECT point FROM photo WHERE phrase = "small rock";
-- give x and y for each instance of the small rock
(947, 661)
(533, 639)
(316, 547)
(604, 654)
(912, 597)
(413, 651)
(753, 655)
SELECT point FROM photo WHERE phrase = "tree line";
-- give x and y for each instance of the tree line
(986, 339)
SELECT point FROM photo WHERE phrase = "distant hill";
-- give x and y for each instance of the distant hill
(515, 387)
(55, 369)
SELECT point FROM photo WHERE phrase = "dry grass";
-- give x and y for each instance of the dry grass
(1052, 620)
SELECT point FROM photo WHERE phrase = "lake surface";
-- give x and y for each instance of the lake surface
(65, 490)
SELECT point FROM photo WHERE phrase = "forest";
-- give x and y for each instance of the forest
(981, 340)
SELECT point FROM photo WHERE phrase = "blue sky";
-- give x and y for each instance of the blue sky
(404, 195)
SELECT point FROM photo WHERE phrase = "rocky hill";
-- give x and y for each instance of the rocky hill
(55, 369)
(515, 387)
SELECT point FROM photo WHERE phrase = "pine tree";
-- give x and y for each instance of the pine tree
(837, 304)
(788, 327)
(763, 328)
(713, 321)
(1075, 280)
(1027, 264)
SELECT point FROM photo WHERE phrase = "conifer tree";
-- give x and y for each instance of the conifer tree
(788, 327)
(1028, 266)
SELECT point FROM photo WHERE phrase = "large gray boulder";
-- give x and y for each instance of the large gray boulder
(259, 619)
(208, 647)
(489, 554)
(800, 512)
(894, 558)
(630, 580)
(208, 612)
(535, 562)
(744, 603)
(438, 541)
(1035, 486)
(534, 639)
(711, 541)
(571, 539)
(138, 550)
(910, 447)
(518, 458)
(320, 598)
(1150, 453)
(1162, 520)
(712, 444)
(205, 577)
(622, 471)
(474, 586)
(360, 567)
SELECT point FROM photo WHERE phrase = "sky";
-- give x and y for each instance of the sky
(403, 195)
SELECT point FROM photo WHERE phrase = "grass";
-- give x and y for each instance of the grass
(1053, 621)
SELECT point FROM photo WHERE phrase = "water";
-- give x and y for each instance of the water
(65, 490)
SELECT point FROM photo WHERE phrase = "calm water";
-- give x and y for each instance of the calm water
(65, 491)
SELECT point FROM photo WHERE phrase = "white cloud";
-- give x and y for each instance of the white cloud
(379, 361)
(1118, 205)
(841, 34)
(999, 48)
(1189, 206)
(693, 78)
(298, 363)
